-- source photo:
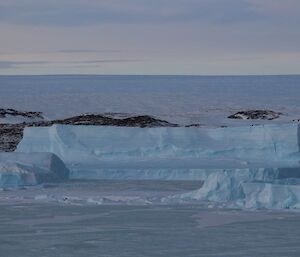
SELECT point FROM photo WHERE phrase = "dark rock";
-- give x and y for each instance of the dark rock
(255, 114)
(196, 125)
(11, 134)
(12, 112)
(141, 121)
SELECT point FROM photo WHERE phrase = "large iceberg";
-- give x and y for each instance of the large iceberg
(267, 145)
(253, 167)
(22, 169)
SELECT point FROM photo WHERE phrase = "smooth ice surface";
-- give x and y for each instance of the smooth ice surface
(21, 169)
(99, 192)
(50, 230)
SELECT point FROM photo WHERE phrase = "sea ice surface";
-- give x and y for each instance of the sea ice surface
(50, 230)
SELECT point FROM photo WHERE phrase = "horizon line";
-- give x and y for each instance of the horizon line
(179, 75)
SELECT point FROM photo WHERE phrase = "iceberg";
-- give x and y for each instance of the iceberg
(254, 188)
(23, 169)
(272, 195)
(116, 147)
(249, 167)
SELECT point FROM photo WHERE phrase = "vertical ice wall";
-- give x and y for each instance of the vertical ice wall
(265, 145)
(20, 169)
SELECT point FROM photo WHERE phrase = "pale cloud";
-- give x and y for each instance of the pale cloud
(15, 64)
(157, 36)
(19, 64)
(75, 51)
(92, 12)
(83, 13)
(276, 6)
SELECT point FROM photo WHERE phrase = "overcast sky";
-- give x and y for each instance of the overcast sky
(150, 37)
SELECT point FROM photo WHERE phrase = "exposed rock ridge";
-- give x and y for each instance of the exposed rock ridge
(12, 112)
(141, 121)
(11, 134)
(255, 115)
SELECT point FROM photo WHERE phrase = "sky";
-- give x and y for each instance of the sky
(196, 37)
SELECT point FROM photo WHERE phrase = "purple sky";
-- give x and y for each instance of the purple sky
(150, 37)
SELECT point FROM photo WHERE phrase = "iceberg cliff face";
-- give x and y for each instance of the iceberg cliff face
(253, 167)
(248, 188)
(23, 169)
(267, 145)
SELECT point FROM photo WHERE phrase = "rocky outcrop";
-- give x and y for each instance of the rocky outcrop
(14, 116)
(141, 121)
(194, 125)
(255, 115)
(11, 134)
